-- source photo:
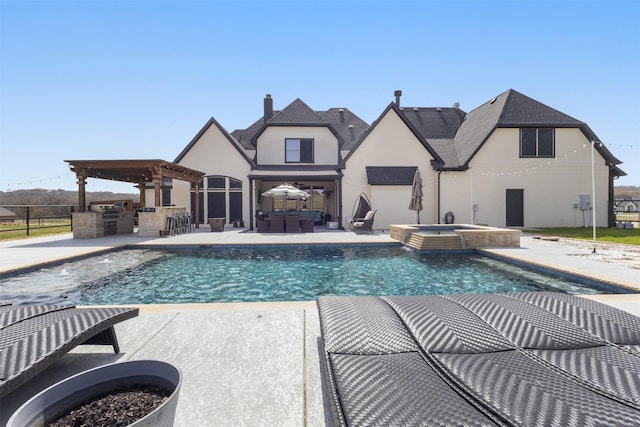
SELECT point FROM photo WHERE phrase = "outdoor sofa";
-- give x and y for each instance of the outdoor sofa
(516, 359)
(32, 337)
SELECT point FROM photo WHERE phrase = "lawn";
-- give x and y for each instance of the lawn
(608, 235)
(18, 231)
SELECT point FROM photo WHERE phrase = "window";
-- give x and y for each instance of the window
(537, 142)
(298, 150)
(222, 198)
(218, 182)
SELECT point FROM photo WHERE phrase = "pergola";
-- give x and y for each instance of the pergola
(138, 173)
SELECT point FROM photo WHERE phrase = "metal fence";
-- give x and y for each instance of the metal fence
(21, 220)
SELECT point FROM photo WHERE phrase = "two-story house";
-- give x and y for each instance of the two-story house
(510, 162)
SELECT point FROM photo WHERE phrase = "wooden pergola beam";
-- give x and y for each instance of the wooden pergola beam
(136, 172)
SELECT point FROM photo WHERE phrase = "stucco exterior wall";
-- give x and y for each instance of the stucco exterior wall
(390, 143)
(214, 155)
(552, 186)
(455, 197)
(271, 147)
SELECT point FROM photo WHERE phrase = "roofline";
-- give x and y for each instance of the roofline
(202, 131)
(396, 109)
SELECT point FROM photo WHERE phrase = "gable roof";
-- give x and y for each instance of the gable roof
(451, 136)
(347, 126)
(417, 133)
(213, 122)
(513, 109)
(296, 113)
(438, 127)
(6, 213)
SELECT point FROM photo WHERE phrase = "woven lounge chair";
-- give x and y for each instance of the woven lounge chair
(262, 226)
(292, 224)
(306, 225)
(32, 337)
(364, 225)
(530, 358)
(276, 224)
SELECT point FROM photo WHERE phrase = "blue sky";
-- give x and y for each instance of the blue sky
(138, 79)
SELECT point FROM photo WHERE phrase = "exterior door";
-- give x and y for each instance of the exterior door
(515, 207)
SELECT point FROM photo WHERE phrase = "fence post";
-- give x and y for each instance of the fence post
(27, 221)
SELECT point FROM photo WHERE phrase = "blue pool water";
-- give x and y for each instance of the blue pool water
(274, 273)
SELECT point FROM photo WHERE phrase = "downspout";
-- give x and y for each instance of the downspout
(610, 214)
(340, 200)
(251, 197)
(439, 172)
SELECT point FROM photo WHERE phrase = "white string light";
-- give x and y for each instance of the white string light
(36, 181)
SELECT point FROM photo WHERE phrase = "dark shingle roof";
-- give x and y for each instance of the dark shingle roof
(476, 128)
(390, 175)
(347, 126)
(343, 121)
(296, 113)
(244, 136)
(455, 136)
(520, 110)
(434, 123)
(513, 109)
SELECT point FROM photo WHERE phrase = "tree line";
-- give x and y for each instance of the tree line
(41, 196)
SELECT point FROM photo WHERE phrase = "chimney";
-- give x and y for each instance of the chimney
(397, 94)
(456, 105)
(268, 107)
(352, 133)
(341, 115)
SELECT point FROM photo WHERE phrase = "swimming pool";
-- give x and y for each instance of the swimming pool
(270, 273)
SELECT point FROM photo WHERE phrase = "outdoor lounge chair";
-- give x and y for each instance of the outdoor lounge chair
(364, 225)
(292, 224)
(276, 224)
(262, 226)
(529, 359)
(32, 337)
(306, 225)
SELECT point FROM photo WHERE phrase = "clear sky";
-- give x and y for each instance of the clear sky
(138, 79)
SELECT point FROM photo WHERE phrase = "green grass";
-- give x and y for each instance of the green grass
(608, 235)
(17, 231)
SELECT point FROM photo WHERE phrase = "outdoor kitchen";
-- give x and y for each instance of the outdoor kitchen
(102, 220)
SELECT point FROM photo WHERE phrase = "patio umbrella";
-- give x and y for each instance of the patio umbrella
(287, 191)
(416, 194)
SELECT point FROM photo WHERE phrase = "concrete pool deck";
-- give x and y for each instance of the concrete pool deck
(246, 363)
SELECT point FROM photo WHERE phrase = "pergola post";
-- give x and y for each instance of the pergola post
(82, 197)
(157, 193)
(141, 188)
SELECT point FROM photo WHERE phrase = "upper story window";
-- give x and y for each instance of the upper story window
(537, 142)
(298, 150)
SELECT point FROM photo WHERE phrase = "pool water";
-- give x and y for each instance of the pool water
(274, 273)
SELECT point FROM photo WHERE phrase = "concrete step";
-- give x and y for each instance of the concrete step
(435, 242)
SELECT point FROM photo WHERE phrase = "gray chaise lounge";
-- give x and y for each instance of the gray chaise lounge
(527, 359)
(32, 337)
